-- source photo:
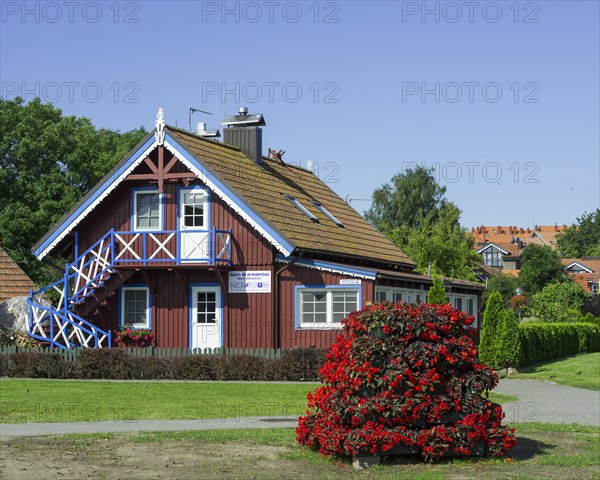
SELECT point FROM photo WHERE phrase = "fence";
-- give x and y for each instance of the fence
(73, 353)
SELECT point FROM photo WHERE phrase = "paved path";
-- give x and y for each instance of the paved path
(538, 402)
(549, 402)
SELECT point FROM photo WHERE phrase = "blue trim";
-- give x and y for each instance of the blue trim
(241, 205)
(370, 274)
(297, 288)
(161, 208)
(120, 308)
(191, 309)
(95, 196)
(75, 245)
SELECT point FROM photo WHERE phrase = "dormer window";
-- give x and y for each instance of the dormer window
(327, 214)
(492, 257)
(302, 208)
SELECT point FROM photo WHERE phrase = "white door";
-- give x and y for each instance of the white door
(207, 317)
(193, 216)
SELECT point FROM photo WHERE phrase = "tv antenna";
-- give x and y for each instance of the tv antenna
(195, 110)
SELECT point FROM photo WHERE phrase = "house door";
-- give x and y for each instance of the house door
(206, 318)
(193, 224)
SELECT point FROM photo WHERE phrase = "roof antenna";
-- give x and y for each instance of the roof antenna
(194, 110)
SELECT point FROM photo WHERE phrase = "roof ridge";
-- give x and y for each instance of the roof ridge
(204, 139)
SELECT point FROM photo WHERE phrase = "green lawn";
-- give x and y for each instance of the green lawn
(581, 371)
(23, 400)
(543, 451)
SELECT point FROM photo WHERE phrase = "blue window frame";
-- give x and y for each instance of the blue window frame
(325, 306)
(135, 307)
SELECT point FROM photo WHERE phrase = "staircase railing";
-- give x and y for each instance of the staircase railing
(63, 328)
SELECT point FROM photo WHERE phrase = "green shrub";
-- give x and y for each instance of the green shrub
(39, 365)
(508, 352)
(298, 364)
(437, 292)
(490, 329)
(559, 302)
(547, 340)
(590, 318)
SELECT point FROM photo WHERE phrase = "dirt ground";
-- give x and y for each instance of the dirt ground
(537, 455)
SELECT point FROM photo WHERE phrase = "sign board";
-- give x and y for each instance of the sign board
(250, 281)
(350, 281)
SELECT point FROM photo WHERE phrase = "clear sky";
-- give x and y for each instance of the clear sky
(501, 97)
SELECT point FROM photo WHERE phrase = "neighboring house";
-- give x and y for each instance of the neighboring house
(501, 247)
(212, 244)
(13, 281)
(585, 271)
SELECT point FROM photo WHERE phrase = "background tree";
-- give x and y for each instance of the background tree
(540, 265)
(503, 284)
(490, 329)
(439, 240)
(508, 350)
(397, 205)
(581, 239)
(559, 302)
(47, 162)
(437, 292)
(591, 305)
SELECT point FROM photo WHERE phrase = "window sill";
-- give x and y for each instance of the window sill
(326, 326)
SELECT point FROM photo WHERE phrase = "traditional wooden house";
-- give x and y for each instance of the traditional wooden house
(212, 244)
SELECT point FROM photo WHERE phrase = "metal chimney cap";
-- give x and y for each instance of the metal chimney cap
(243, 110)
(244, 119)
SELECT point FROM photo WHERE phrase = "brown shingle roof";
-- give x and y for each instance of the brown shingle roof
(264, 189)
(13, 281)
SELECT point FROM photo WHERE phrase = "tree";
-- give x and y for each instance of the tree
(591, 305)
(492, 318)
(437, 292)
(581, 239)
(540, 265)
(508, 351)
(559, 302)
(439, 240)
(398, 205)
(504, 284)
(47, 162)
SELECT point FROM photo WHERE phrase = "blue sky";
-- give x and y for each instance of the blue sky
(501, 97)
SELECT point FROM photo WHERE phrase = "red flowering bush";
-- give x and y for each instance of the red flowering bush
(134, 338)
(403, 379)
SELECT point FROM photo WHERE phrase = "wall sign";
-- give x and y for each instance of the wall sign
(350, 281)
(251, 281)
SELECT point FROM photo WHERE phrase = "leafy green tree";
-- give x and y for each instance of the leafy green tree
(47, 163)
(437, 292)
(397, 205)
(592, 305)
(540, 265)
(581, 239)
(559, 302)
(504, 284)
(508, 351)
(439, 240)
(490, 329)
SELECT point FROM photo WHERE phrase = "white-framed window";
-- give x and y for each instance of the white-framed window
(325, 307)
(147, 211)
(594, 288)
(136, 307)
(392, 294)
(492, 257)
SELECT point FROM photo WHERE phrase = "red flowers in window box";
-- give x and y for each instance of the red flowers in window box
(416, 388)
(133, 338)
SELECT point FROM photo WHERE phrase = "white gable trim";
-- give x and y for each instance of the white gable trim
(580, 265)
(278, 241)
(492, 245)
(330, 267)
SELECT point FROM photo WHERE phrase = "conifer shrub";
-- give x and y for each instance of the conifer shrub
(403, 379)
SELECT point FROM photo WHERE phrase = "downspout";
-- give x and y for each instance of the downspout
(276, 316)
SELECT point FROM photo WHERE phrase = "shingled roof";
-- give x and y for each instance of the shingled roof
(13, 281)
(263, 187)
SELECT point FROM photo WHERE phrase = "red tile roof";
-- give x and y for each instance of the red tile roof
(13, 281)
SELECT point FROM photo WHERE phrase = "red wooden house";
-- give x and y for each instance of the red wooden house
(211, 244)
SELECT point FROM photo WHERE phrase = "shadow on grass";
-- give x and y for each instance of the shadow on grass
(527, 448)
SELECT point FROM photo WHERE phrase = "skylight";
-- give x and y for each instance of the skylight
(326, 212)
(302, 208)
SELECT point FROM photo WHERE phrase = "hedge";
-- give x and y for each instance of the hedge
(547, 340)
(298, 364)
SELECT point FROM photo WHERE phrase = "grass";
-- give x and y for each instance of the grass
(543, 451)
(24, 400)
(582, 371)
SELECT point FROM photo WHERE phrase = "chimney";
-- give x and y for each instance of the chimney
(201, 131)
(243, 132)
